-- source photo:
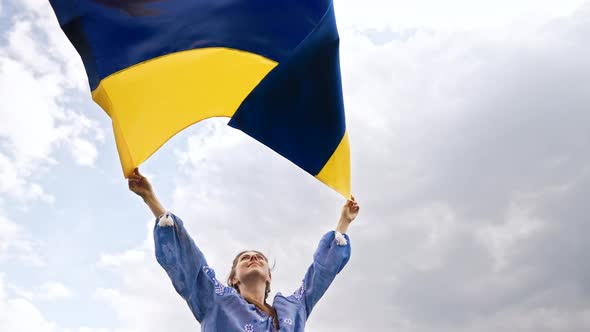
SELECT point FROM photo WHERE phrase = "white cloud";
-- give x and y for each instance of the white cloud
(453, 14)
(37, 71)
(87, 329)
(129, 257)
(503, 238)
(15, 184)
(15, 243)
(48, 291)
(19, 314)
(145, 302)
(51, 291)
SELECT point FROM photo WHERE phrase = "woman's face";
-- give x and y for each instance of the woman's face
(252, 265)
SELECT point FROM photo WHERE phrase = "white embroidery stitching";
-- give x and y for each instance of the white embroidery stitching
(299, 292)
(220, 289)
(260, 315)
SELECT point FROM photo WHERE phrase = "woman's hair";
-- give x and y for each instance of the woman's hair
(232, 273)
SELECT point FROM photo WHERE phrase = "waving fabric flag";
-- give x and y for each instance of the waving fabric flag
(272, 66)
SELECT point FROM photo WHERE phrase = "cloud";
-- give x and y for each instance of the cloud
(51, 291)
(48, 291)
(449, 15)
(19, 314)
(16, 243)
(128, 257)
(39, 75)
(472, 143)
(137, 307)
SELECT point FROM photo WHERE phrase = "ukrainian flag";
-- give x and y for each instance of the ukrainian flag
(272, 66)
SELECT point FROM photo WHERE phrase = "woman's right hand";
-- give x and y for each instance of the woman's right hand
(140, 185)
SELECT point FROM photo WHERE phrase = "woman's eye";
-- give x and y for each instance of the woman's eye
(245, 257)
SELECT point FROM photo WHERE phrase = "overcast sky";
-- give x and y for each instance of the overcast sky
(469, 124)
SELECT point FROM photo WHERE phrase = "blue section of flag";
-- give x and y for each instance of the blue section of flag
(122, 33)
(297, 110)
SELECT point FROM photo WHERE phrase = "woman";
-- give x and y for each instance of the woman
(242, 306)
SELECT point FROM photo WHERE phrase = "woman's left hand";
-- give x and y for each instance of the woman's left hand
(349, 213)
(350, 210)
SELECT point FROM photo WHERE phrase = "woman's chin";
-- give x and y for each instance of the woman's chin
(254, 272)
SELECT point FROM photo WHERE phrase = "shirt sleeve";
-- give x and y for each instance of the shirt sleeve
(328, 260)
(185, 265)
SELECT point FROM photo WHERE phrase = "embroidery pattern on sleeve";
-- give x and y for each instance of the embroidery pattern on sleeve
(249, 328)
(299, 292)
(220, 289)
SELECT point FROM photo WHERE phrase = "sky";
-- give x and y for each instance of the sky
(469, 128)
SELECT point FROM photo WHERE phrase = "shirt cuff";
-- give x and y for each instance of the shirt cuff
(166, 220)
(340, 239)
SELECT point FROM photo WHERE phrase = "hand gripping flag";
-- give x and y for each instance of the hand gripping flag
(272, 66)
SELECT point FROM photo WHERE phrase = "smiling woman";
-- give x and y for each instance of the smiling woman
(251, 265)
(242, 306)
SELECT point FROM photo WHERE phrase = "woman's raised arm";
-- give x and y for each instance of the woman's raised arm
(178, 254)
(331, 256)
(140, 185)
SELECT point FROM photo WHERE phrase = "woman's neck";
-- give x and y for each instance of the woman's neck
(254, 293)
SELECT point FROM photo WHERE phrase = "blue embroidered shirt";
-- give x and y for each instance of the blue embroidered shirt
(220, 308)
